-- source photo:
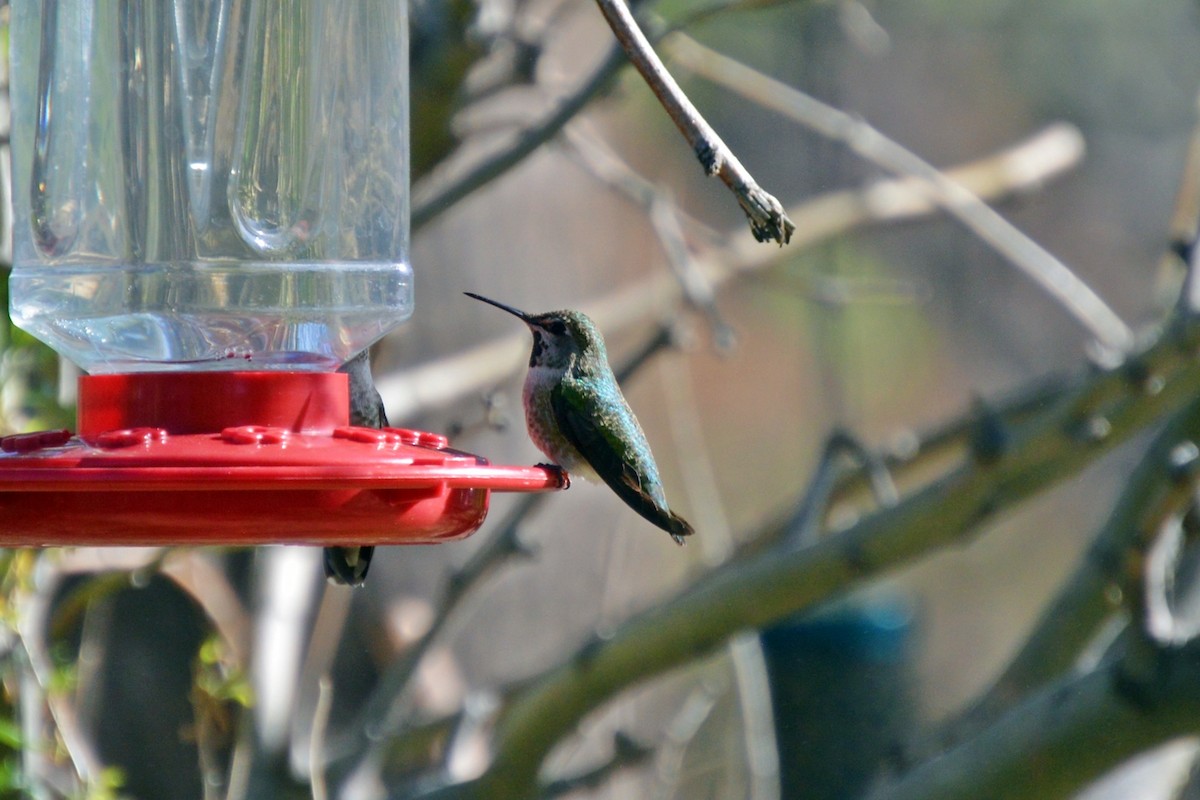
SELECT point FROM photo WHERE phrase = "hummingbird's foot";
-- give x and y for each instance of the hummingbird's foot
(564, 479)
(347, 565)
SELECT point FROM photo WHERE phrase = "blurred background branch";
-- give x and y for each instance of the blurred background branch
(1025, 167)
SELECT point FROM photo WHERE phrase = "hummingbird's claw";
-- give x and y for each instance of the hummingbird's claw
(347, 566)
(564, 478)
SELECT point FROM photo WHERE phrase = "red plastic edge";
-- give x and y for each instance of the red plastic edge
(199, 402)
(240, 458)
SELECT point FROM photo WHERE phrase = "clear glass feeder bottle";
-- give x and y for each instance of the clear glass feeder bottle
(210, 185)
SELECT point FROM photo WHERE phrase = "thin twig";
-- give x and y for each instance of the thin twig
(1047, 271)
(665, 217)
(34, 719)
(1185, 223)
(681, 731)
(626, 753)
(32, 623)
(1185, 215)
(326, 633)
(431, 202)
(384, 711)
(316, 743)
(697, 289)
(199, 575)
(804, 527)
(768, 220)
(703, 495)
(665, 336)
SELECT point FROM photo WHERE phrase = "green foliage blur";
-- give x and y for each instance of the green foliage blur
(28, 379)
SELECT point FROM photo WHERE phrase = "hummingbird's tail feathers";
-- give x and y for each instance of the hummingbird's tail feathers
(651, 505)
(348, 565)
(678, 527)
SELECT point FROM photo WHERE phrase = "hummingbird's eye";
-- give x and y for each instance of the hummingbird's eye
(557, 328)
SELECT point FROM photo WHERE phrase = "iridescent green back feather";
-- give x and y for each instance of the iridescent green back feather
(594, 417)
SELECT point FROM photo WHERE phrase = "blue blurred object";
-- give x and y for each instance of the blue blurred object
(841, 691)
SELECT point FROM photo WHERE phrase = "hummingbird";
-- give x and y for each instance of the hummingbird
(578, 417)
(348, 565)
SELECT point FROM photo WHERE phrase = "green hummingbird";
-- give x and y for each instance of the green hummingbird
(348, 565)
(578, 417)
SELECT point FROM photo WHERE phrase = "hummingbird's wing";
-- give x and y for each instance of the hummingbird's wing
(608, 436)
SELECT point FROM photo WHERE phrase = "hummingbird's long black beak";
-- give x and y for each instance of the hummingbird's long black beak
(514, 311)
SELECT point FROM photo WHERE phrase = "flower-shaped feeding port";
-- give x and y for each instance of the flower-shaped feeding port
(241, 458)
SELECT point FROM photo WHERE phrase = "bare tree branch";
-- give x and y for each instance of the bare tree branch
(1054, 277)
(1184, 224)
(1091, 594)
(806, 523)
(32, 623)
(1140, 695)
(316, 755)
(1183, 227)
(665, 217)
(768, 220)
(434, 196)
(1065, 736)
(911, 455)
(429, 202)
(1023, 168)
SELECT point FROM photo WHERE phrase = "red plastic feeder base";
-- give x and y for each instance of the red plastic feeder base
(239, 458)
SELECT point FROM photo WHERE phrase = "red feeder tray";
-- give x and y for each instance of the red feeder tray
(241, 458)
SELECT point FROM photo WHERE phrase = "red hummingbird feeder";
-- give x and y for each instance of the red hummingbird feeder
(239, 458)
(210, 268)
